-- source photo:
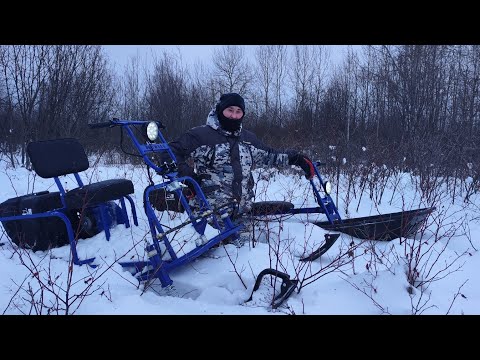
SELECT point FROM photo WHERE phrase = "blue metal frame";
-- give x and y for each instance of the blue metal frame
(327, 205)
(100, 211)
(68, 224)
(158, 267)
(105, 221)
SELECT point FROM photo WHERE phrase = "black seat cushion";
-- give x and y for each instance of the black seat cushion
(99, 192)
(57, 157)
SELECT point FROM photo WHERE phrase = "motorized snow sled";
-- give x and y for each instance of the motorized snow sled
(49, 219)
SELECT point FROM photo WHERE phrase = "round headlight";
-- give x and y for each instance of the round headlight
(152, 131)
(328, 187)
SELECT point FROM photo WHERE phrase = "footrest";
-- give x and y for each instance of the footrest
(286, 289)
(271, 207)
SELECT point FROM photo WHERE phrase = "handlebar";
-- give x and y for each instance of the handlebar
(101, 125)
(145, 147)
(118, 122)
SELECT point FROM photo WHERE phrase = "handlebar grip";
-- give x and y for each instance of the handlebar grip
(100, 125)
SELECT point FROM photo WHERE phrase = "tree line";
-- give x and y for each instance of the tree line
(411, 107)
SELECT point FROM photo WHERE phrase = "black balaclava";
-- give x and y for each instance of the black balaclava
(226, 100)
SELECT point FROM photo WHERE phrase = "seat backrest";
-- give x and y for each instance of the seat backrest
(51, 158)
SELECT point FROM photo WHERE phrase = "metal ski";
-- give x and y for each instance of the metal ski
(329, 241)
(384, 227)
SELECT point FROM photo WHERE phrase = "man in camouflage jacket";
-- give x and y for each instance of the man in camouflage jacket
(224, 154)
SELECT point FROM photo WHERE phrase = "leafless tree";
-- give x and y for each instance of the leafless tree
(166, 88)
(271, 69)
(54, 90)
(133, 90)
(24, 69)
(231, 70)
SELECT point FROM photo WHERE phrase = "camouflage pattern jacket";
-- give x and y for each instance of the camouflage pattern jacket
(224, 161)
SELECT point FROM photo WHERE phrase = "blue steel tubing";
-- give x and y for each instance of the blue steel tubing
(124, 213)
(68, 225)
(330, 209)
(132, 208)
(106, 221)
(160, 267)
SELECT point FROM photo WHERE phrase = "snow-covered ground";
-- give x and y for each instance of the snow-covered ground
(353, 277)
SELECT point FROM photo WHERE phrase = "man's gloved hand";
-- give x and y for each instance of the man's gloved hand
(304, 162)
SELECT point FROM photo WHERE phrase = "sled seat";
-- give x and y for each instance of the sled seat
(59, 157)
(96, 193)
(54, 158)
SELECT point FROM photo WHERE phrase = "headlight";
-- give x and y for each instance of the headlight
(152, 131)
(328, 187)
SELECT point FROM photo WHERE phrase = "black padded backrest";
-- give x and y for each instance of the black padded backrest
(57, 157)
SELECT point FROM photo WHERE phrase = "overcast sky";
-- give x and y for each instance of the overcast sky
(190, 53)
